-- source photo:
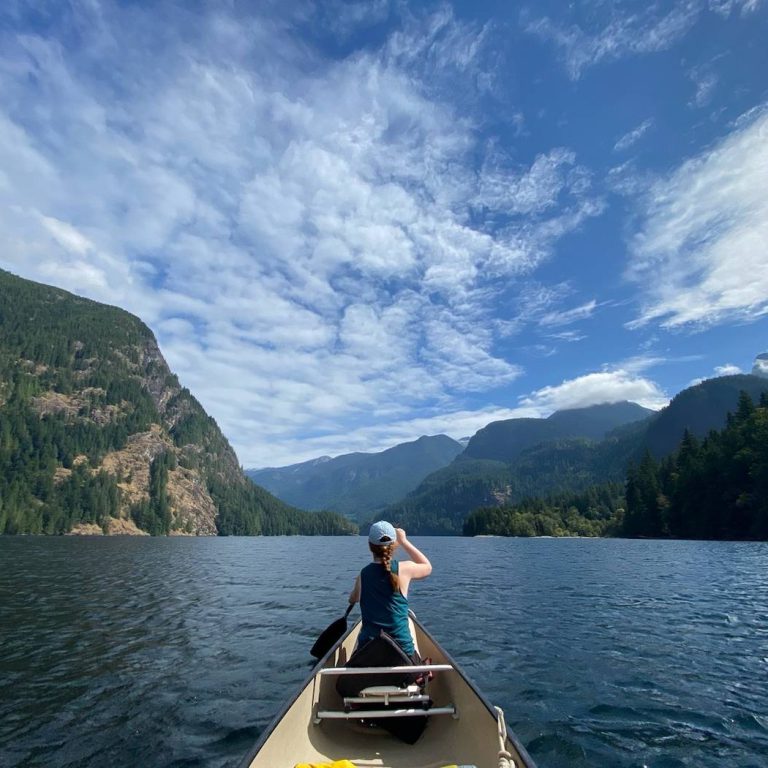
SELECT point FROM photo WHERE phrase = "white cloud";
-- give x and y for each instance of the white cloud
(760, 368)
(296, 230)
(727, 370)
(705, 82)
(721, 370)
(625, 34)
(593, 389)
(344, 18)
(643, 362)
(569, 316)
(628, 180)
(66, 235)
(569, 336)
(705, 229)
(436, 44)
(632, 137)
(379, 437)
(646, 29)
(727, 7)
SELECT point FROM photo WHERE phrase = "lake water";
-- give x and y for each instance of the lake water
(178, 652)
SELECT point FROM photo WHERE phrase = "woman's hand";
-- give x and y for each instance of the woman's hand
(418, 567)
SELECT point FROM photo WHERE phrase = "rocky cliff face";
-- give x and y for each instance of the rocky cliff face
(193, 510)
(96, 433)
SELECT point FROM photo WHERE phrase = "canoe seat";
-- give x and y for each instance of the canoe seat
(382, 652)
(381, 685)
(374, 691)
(386, 695)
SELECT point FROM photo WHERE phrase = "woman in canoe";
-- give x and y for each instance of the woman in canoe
(382, 586)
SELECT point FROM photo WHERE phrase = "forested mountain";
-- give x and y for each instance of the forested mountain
(711, 489)
(442, 503)
(597, 511)
(97, 433)
(358, 484)
(505, 440)
(700, 409)
(444, 500)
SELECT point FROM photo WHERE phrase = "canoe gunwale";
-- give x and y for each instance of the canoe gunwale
(267, 732)
(528, 760)
(511, 736)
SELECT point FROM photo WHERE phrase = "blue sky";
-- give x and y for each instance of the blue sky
(350, 224)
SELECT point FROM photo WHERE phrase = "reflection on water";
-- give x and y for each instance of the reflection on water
(178, 652)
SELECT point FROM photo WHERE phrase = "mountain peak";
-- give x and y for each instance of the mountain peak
(505, 440)
(357, 484)
(624, 406)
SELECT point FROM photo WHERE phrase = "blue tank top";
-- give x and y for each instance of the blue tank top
(382, 607)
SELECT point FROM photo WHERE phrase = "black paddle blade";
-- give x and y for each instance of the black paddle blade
(329, 636)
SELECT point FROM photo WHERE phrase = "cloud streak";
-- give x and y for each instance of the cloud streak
(625, 34)
(705, 229)
(629, 30)
(632, 137)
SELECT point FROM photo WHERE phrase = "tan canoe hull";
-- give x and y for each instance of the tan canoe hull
(469, 738)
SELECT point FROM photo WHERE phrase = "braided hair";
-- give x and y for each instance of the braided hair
(384, 553)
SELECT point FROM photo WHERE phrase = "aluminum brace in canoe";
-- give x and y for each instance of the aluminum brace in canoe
(389, 694)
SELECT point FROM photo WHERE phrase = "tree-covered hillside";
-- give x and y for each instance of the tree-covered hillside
(506, 440)
(711, 489)
(95, 430)
(444, 500)
(700, 409)
(596, 511)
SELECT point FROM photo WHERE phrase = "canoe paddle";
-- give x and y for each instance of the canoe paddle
(330, 635)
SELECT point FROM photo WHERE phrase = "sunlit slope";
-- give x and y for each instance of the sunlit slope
(96, 432)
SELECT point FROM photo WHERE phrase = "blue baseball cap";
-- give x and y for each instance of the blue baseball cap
(382, 533)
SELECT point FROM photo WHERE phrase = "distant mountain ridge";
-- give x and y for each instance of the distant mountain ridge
(97, 434)
(700, 409)
(507, 439)
(444, 499)
(357, 484)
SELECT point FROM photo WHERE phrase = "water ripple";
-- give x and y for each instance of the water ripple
(178, 652)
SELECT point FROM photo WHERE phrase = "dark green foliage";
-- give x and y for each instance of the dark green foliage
(714, 489)
(442, 501)
(53, 342)
(595, 512)
(247, 510)
(538, 459)
(192, 428)
(154, 514)
(31, 448)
